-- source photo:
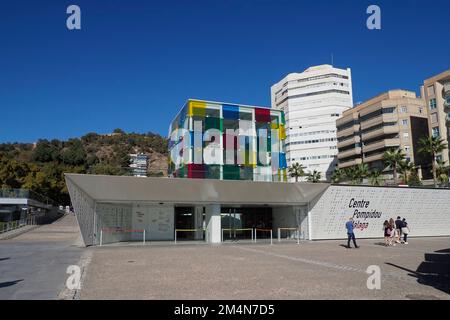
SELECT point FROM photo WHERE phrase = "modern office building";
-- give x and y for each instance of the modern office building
(436, 92)
(216, 140)
(392, 120)
(139, 164)
(312, 101)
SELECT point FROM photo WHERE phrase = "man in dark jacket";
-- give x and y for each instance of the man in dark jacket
(398, 228)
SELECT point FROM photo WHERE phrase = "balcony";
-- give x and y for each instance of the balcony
(386, 143)
(349, 153)
(352, 140)
(386, 117)
(348, 131)
(374, 157)
(349, 163)
(381, 131)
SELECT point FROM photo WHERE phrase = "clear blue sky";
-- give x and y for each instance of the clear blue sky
(134, 63)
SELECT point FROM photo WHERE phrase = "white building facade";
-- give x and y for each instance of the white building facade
(312, 101)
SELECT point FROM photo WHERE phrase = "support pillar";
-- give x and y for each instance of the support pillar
(213, 223)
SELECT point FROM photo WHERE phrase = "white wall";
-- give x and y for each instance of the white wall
(157, 220)
(427, 211)
(290, 217)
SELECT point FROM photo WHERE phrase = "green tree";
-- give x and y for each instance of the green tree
(46, 151)
(352, 174)
(414, 179)
(442, 172)
(296, 171)
(392, 159)
(375, 178)
(338, 175)
(362, 170)
(75, 154)
(314, 176)
(405, 168)
(432, 146)
(118, 131)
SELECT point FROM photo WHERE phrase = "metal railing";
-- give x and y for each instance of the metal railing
(13, 225)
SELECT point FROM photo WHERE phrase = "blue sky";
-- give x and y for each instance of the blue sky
(134, 63)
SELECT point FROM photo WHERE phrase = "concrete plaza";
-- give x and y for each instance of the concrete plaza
(33, 266)
(309, 270)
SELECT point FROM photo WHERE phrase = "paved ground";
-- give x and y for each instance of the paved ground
(311, 270)
(33, 265)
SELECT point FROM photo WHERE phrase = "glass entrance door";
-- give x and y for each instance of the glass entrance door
(231, 221)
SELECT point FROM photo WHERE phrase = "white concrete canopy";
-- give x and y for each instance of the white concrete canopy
(102, 188)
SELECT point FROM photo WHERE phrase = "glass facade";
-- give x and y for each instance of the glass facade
(210, 140)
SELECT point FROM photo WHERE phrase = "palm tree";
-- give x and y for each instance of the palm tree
(432, 146)
(352, 173)
(362, 170)
(314, 176)
(375, 178)
(338, 175)
(392, 159)
(296, 171)
(442, 171)
(405, 168)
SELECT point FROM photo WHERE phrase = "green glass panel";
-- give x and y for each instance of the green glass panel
(213, 123)
(230, 172)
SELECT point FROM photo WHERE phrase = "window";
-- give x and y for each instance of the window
(433, 104)
(435, 132)
(433, 118)
(404, 109)
(404, 122)
(406, 135)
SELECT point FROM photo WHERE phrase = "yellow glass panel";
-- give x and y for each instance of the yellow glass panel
(197, 108)
(282, 132)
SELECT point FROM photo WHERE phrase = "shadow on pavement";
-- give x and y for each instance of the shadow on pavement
(434, 271)
(1, 259)
(9, 283)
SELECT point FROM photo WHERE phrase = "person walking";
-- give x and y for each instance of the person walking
(350, 234)
(387, 234)
(398, 229)
(405, 231)
(393, 232)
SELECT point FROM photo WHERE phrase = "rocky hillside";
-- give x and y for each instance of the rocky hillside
(41, 166)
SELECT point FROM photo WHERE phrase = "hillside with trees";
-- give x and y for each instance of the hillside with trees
(41, 166)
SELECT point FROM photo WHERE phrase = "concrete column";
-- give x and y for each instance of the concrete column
(198, 222)
(213, 223)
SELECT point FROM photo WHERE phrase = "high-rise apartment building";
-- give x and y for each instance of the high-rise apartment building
(312, 101)
(436, 93)
(392, 120)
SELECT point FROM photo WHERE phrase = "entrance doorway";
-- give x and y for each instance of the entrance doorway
(238, 223)
(189, 223)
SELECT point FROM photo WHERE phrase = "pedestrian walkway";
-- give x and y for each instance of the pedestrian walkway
(33, 264)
